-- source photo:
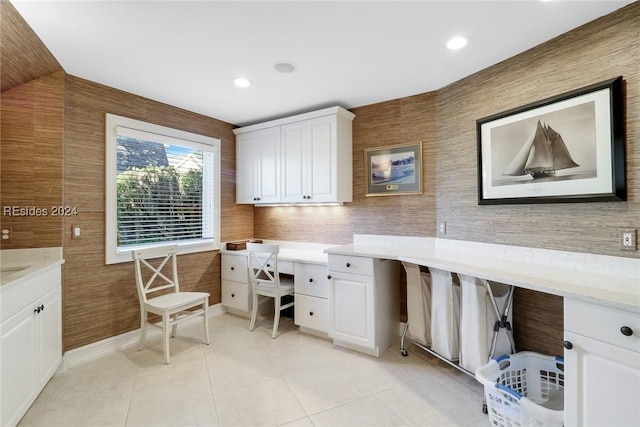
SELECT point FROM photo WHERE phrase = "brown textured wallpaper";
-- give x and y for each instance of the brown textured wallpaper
(32, 117)
(606, 48)
(100, 301)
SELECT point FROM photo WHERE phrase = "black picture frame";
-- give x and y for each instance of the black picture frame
(567, 148)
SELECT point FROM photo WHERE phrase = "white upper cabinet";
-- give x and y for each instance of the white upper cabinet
(314, 159)
(258, 166)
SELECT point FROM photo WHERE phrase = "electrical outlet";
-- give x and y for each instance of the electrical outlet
(75, 232)
(443, 228)
(627, 239)
(6, 234)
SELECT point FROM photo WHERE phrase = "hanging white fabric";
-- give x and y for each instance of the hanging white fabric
(445, 314)
(418, 304)
(477, 320)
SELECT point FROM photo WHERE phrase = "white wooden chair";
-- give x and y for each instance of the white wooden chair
(174, 306)
(266, 281)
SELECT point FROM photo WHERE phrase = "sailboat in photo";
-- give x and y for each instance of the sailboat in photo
(543, 153)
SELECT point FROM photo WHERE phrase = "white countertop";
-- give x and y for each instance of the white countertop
(606, 280)
(17, 265)
(309, 253)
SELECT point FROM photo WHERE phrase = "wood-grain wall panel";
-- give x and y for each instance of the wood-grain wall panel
(24, 56)
(32, 125)
(100, 301)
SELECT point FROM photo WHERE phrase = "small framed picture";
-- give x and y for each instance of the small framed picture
(394, 170)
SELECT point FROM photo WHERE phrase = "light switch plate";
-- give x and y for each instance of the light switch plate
(627, 239)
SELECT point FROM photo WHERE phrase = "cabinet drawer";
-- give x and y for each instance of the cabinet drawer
(236, 295)
(234, 267)
(351, 264)
(602, 323)
(311, 279)
(312, 313)
(285, 267)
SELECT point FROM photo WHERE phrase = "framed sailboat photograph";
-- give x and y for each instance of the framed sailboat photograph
(568, 148)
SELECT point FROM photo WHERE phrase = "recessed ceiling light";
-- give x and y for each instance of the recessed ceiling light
(242, 82)
(285, 67)
(457, 42)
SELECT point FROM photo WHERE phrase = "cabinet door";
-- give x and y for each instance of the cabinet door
(18, 365)
(49, 323)
(602, 383)
(351, 309)
(321, 148)
(258, 166)
(246, 168)
(309, 160)
(294, 166)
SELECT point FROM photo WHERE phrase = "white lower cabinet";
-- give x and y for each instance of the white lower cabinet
(602, 365)
(236, 290)
(363, 302)
(30, 342)
(311, 297)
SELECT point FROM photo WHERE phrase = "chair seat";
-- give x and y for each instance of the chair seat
(175, 300)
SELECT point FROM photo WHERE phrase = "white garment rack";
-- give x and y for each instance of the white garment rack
(501, 323)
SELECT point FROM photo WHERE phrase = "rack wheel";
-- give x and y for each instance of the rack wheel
(404, 352)
(484, 408)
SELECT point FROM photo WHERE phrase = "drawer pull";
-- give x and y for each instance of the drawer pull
(626, 331)
(348, 265)
(233, 295)
(311, 313)
(233, 268)
(568, 345)
(39, 309)
(311, 280)
(329, 277)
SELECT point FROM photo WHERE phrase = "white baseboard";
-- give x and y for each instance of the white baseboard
(112, 345)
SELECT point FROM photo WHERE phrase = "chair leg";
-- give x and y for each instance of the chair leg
(143, 328)
(254, 312)
(276, 317)
(206, 321)
(174, 329)
(165, 333)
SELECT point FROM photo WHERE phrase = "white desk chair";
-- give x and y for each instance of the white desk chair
(266, 281)
(172, 306)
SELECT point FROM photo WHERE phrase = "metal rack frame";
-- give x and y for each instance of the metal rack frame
(501, 323)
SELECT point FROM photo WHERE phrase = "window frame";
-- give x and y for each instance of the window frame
(113, 254)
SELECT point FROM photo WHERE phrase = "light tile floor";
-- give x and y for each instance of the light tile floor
(247, 379)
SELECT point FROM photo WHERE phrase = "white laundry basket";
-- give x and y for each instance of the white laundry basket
(524, 389)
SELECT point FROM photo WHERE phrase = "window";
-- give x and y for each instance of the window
(162, 187)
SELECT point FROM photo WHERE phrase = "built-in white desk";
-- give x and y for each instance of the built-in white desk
(307, 262)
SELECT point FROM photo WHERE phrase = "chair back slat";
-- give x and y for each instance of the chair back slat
(158, 281)
(263, 264)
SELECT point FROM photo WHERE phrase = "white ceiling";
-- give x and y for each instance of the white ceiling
(348, 53)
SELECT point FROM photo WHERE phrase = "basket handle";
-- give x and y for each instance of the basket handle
(511, 391)
(501, 358)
